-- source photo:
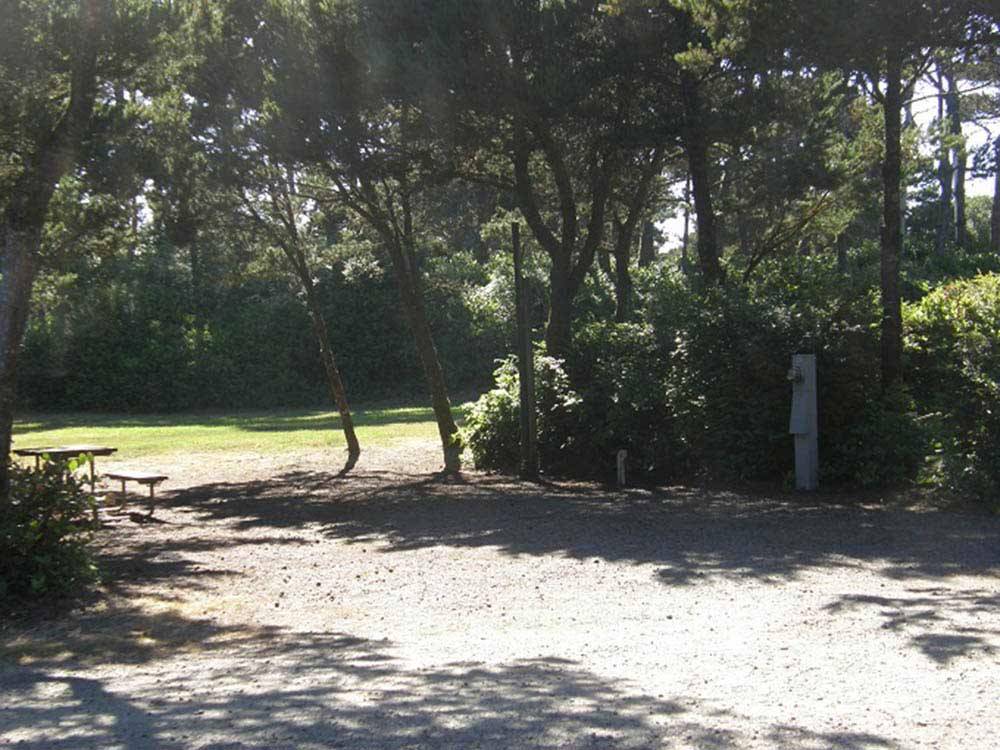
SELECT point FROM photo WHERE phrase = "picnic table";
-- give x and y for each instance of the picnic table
(66, 452)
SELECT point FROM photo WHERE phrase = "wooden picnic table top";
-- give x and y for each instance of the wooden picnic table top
(64, 451)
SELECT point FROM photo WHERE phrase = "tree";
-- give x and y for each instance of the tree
(51, 88)
(272, 199)
(336, 117)
(888, 46)
(542, 99)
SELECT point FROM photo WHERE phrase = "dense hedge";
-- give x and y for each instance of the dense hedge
(953, 356)
(698, 388)
(139, 343)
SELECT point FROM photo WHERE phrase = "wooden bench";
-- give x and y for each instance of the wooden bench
(142, 477)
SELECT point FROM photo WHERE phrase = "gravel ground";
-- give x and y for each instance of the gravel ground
(271, 604)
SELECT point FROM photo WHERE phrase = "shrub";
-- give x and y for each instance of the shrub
(953, 352)
(885, 446)
(492, 425)
(726, 354)
(44, 529)
(623, 379)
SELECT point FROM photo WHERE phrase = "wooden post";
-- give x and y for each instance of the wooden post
(525, 363)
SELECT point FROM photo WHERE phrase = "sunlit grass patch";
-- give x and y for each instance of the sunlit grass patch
(264, 432)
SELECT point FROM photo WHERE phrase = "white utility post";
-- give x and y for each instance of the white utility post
(804, 421)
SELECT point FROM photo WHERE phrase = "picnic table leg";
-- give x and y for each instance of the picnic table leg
(93, 477)
(152, 504)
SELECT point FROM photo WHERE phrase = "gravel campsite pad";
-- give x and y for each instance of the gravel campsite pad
(272, 604)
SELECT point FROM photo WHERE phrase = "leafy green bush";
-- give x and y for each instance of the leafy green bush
(623, 380)
(953, 352)
(885, 446)
(699, 388)
(728, 352)
(44, 529)
(492, 425)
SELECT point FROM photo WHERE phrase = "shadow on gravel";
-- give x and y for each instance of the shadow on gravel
(692, 534)
(943, 624)
(311, 690)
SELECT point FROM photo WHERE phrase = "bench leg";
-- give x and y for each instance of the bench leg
(152, 497)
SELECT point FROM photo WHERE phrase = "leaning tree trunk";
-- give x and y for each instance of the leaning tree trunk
(892, 231)
(55, 153)
(18, 267)
(333, 379)
(411, 296)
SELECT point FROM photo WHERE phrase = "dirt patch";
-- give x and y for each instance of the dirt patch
(274, 604)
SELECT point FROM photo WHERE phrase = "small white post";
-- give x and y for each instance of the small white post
(804, 421)
(621, 460)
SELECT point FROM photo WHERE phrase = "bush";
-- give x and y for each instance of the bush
(492, 425)
(44, 529)
(699, 388)
(885, 446)
(728, 354)
(953, 352)
(623, 378)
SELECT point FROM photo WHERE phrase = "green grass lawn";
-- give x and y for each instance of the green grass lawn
(264, 432)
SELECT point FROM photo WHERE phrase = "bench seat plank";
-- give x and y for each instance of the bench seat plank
(142, 477)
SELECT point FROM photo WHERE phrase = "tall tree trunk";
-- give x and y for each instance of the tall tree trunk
(54, 153)
(411, 296)
(892, 232)
(995, 213)
(960, 161)
(623, 276)
(558, 329)
(647, 250)
(18, 267)
(945, 172)
(695, 136)
(333, 379)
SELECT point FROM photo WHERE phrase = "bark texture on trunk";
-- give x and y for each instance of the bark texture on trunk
(415, 313)
(961, 159)
(945, 173)
(623, 275)
(647, 250)
(333, 378)
(18, 267)
(53, 154)
(892, 232)
(558, 328)
(696, 143)
(572, 253)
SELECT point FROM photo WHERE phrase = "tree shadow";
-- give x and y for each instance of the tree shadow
(943, 624)
(692, 534)
(293, 690)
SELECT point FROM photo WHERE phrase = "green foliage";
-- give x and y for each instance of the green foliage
(699, 388)
(729, 353)
(953, 347)
(623, 380)
(44, 529)
(492, 429)
(885, 446)
(126, 337)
